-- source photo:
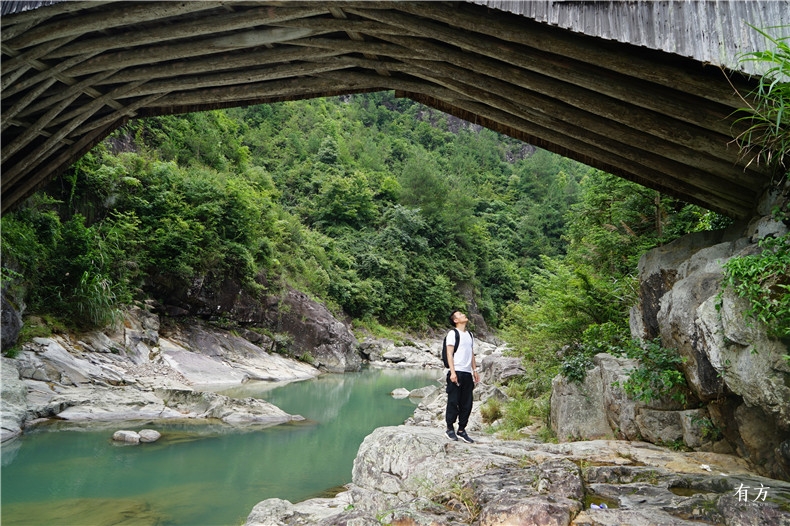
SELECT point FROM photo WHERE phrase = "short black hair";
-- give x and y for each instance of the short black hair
(452, 317)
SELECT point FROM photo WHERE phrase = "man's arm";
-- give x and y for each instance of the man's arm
(451, 363)
(474, 369)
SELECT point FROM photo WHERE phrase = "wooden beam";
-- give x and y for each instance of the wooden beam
(191, 29)
(618, 57)
(45, 74)
(13, 194)
(22, 103)
(34, 157)
(29, 133)
(175, 69)
(578, 121)
(245, 77)
(129, 111)
(23, 60)
(88, 135)
(150, 55)
(276, 88)
(84, 86)
(366, 27)
(386, 49)
(586, 75)
(119, 15)
(666, 128)
(17, 23)
(608, 118)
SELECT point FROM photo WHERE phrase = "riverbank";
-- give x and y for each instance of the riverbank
(132, 374)
(201, 474)
(412, 475)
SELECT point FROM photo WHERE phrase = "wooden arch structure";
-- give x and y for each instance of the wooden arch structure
(72, 72)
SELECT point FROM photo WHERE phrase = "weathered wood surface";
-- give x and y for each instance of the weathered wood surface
(707, 31)
(73, 71)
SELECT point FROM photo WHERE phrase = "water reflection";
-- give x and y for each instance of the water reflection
(203, 474)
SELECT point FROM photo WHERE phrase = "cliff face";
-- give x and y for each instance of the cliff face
(737, 374)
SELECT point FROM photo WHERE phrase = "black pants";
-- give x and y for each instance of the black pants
(459, 400)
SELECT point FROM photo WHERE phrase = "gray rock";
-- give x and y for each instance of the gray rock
(659, 427)
(394, 355)
(694, 423)
(14, 401)
(620, 409)
(128, 437)
(730, 361)
(750, 363)
(149, 435)
(577, 410)
(422, 392)
(678, 330)
(400, 393)
(411, 475)
(496, 368)
(10, 323)
(274, 512)
(214, 358)
(312, 328)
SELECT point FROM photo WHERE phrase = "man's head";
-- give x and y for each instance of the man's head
(457, 317)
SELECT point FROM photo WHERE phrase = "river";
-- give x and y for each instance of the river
(198, 474)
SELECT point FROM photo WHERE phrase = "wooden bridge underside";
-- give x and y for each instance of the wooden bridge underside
(73, 72)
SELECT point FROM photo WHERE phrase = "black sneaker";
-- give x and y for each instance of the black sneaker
(451, 434)
(463, 436)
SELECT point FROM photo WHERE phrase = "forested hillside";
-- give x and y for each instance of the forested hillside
(389, 212)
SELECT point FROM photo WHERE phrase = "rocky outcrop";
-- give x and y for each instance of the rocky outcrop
(131, 373)
(14, 401)
(412, 475)
(302, 326)
(312, 329)
(10, 323)
(738, 377)
(385, 353)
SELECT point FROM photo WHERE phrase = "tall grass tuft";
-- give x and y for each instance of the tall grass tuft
(767, 137)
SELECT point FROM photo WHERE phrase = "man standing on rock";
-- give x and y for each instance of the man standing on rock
(461, 377)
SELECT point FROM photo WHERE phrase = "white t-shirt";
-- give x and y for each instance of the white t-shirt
(462, 359)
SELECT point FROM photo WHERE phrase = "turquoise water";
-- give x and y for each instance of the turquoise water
(200, 475)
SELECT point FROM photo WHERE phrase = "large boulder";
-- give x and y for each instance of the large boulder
(598, 407)
(413, 475)
(10, 323)
(14, 401)
(312, 329)
(212, 357)
(498, 368)
(731, 363)
(577, 409)
(750, 364)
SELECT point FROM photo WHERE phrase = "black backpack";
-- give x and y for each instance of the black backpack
(455, 347)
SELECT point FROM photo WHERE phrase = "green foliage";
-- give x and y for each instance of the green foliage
(767, 137)
(764, 280)
(710, 431)
(658, 374)
(491, 411)
(575, 367)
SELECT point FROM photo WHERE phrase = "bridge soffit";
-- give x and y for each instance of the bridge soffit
(75, 71)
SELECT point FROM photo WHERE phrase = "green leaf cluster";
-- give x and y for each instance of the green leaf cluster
(658, 374)
(764, 280)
